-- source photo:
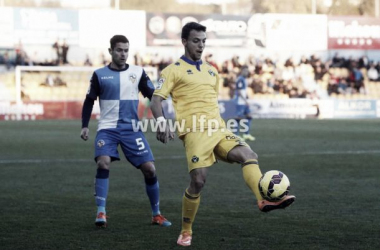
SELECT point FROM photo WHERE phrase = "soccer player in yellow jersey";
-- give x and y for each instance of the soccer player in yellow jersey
(193, 86)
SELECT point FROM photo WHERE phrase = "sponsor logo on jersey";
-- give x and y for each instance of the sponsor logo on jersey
(177, 64)
(189, 72)
(132, 78)
(160, 83)
(230, 137)
(211, 72)
(106, 77)
(100, 143)
(195, 159)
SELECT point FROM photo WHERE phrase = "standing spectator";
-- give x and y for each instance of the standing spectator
(57, 49)
(65, 48)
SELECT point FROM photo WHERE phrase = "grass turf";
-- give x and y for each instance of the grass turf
(47, 175)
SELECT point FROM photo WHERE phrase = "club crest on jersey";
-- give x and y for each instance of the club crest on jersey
(195, 159)
(132, 78)
(160, 83)
(100, 143)
(177, 64)
(211, 72)
(189, 72)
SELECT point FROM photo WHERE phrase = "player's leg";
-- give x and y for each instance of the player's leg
(190, 204)
(101, 189)
(152, 188)
(137, 151)
(199, 153)
(250, 167)
(105, 152)
(252, 174)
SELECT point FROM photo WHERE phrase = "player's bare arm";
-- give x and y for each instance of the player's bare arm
(156, 106)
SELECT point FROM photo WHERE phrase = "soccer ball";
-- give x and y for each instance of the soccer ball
(274, 185)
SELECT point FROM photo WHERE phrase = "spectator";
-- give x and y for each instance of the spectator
(57, 49)
(210, 61)
(373, 74)
(65, 48)
(363, 62)
(87, 61)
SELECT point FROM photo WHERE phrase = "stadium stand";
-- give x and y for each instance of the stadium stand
(310, 78)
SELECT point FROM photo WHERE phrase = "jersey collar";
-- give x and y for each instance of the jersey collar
(196, 63)
(118, 70)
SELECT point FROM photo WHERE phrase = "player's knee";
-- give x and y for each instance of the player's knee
(198, 184)
(148, 170)
(103, 164)
(250, 155)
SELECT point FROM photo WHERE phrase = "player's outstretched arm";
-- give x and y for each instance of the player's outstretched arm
(163, 132)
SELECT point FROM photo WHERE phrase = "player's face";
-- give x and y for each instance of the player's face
(195, 44)
(119, 54)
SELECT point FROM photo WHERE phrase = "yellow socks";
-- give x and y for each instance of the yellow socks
(190, 204)
(252, 175)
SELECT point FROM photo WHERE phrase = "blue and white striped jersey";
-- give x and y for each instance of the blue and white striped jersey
(241, 85)
(118, 92)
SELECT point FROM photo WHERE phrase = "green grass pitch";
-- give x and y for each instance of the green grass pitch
(47, 175)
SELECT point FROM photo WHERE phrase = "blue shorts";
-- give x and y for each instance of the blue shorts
(134, 145)
(242, 111)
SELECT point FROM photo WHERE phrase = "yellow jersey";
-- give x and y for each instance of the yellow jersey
(193, 87)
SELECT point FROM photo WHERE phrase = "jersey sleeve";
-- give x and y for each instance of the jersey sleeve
(94, 88)
(146, 86)
(166, 83)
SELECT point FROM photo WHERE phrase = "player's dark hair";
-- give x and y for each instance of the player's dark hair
(118, 39)
(191, 26)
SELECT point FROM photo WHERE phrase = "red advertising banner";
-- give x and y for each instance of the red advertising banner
(352, 32)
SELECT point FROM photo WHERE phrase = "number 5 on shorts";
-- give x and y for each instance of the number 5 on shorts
(140, 143)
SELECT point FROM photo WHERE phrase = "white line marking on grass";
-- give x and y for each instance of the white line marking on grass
(348, 152)
(173, 157)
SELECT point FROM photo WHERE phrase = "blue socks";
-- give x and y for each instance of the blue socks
(153, 192)
(101, 189)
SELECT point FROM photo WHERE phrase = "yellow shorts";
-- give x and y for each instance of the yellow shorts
(202, 150)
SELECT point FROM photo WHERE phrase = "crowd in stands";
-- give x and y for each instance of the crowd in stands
(310, 77)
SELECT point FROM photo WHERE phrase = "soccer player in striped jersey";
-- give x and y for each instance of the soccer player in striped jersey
(193, 86)
(117, 86)
(242, 106)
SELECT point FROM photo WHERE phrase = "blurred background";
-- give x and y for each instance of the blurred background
(307, 58)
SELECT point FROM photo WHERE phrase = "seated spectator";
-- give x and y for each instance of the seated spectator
(50, 81)
(87, 61)
(373, 74)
